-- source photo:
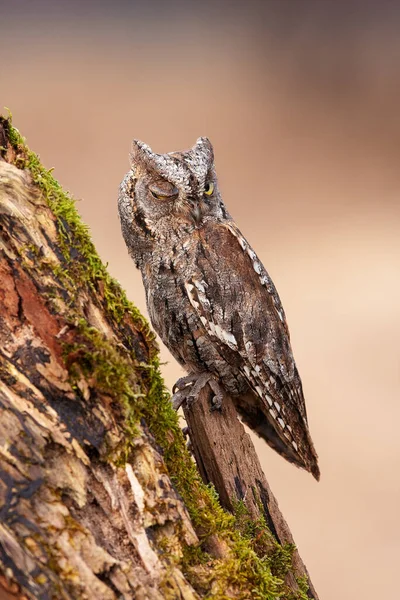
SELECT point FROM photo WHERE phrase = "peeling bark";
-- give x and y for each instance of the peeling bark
(89, 506)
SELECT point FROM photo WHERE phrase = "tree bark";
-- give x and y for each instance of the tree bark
(99, 497)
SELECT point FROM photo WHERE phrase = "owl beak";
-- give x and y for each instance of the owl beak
(196, 209)
(196, 213)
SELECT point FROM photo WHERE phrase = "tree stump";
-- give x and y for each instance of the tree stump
(99, 497)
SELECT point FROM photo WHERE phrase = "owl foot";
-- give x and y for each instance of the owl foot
(184, 382)
(187, 389)
(218, 394)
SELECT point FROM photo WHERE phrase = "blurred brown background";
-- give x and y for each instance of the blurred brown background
(301, 101)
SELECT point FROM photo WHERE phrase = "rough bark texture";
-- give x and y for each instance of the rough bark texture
(72, 523)
(98, 495)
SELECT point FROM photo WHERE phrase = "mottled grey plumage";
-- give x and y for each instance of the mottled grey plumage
(209, 297)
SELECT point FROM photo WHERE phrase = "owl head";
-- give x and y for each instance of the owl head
(168, 194)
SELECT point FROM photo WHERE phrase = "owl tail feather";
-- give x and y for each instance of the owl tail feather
(315, 472)
(252, 416)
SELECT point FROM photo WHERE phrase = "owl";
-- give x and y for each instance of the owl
(209, 297)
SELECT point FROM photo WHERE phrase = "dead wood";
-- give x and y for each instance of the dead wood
(226, 457)
(99, 498)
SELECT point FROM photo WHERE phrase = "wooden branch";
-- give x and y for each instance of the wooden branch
(226, 457)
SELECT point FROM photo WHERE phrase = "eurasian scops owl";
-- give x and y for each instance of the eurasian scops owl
(210, 298)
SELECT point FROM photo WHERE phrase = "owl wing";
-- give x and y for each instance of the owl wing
(240, 309)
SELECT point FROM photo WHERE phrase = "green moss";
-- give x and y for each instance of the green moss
(302, 582)
(263, 542)
(110, 371)
(254, 565)
(254, 561)
(244, 572)
(82, 261)
(255, 531)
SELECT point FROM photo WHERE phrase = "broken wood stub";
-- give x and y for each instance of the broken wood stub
(226, 457)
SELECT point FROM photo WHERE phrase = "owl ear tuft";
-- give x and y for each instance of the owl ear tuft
(204, 147)
(165, 165)
(141, 153)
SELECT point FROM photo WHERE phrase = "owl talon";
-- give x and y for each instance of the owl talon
(184, 382)
(187, 389)
(177, 400)
(218, 397)
(216, 403)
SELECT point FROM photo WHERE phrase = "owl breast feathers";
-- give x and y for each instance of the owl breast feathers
(209, 297)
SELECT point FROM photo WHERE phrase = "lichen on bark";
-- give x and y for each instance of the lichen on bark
(99, 497)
